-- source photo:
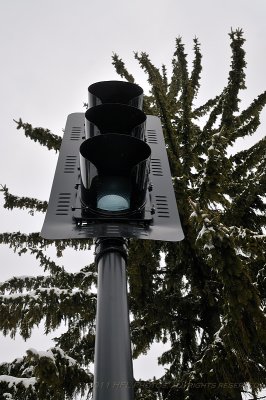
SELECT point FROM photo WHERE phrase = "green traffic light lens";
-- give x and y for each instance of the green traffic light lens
(113, 202)
(114, 194)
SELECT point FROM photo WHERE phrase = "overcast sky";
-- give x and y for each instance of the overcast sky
(52, 50)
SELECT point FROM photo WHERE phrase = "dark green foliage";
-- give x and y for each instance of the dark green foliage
(208, 292)
(43, 136)
(50, 375)
(207, 298)
(29, 203)
(34, 243)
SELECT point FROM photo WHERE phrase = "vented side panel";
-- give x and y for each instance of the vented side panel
(59, 222)
(166, 223)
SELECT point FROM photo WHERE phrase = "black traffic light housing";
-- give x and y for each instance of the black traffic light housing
(115, 159)
(113, 177)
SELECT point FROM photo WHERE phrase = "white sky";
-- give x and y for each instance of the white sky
(52, 50)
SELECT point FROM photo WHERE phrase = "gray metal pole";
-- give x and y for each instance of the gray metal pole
(113, 371)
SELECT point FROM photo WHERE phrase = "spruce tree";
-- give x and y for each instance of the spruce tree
(207, 300)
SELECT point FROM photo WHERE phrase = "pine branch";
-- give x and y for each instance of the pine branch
(32, 204)
(123, 72)
(164, 77)
(182, 64)
(222, 244)
(22, 243)
(236, 80)
(247, 159)
(208, 130)
(197, 68)
(249, 242)
(205, 108)
(43, 136)
(247, 129)
(46, 375)
(213, 179)
(61, 279)
(22, 311)
(186, 98)
(249, 119)
(203, 136)
(79, 341)
(188, 87)
(241, 339)
(121, 69)
(247, 200)
(175, 83)
(156, 82)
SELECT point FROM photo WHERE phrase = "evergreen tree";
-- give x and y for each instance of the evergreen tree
(208, 298)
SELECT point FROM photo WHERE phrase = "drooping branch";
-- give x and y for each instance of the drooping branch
(22, 242)
(44, 375)
(61, 279)
(22, 311)
(79, 340)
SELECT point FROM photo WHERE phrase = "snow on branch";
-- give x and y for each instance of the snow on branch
(23, 311)
(43, 375)
(22, 242)
(62, 279)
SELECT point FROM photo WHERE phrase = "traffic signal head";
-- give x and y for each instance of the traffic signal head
(115, 159)
(113, 177)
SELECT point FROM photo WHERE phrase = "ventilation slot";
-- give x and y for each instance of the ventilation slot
(88, 229)
(138, 231)
(63, 203)
(151, 136)
(112, 229)
(75, 133)
(70, 164)
(156, 167)
(162, 208)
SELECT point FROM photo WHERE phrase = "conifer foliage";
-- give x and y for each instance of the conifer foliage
(207, 299)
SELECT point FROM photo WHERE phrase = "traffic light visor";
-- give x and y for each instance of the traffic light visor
(115, 118)
(115, 92)
(114, 172)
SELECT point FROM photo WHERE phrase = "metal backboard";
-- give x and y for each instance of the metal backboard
(59, 221)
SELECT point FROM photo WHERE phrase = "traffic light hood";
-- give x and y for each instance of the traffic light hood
(115, 118)
(115, 92)
(113, 163)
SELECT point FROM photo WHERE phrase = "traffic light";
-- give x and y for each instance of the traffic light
(113, 177)
(114, 159)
